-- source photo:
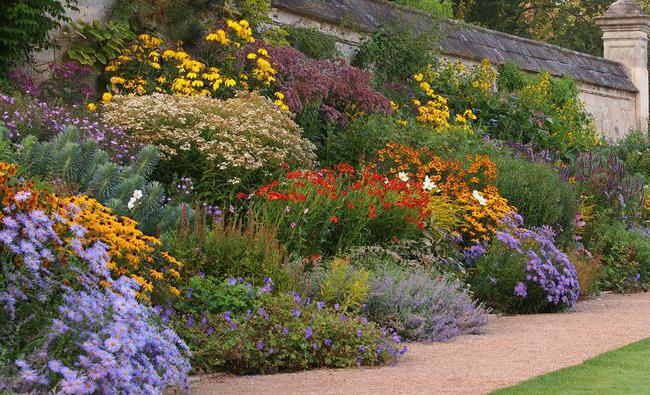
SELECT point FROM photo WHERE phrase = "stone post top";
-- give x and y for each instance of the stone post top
(624, 15)
(623, 8)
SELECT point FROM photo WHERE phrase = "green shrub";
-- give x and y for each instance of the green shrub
(216, 296)
(312, 43)
(221, 248)
(624, 254)
(538, 192)
(25, 26)
(287, 333)
(98, 43)
(524, 272)
(395, 52)
(185, 20)
(438, 8)
(338, 282)
(634, 150)
(536, 108)
(360, 140)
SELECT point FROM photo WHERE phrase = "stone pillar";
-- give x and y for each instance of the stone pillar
(625, 34)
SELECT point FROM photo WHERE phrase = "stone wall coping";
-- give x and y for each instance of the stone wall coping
(467, 41)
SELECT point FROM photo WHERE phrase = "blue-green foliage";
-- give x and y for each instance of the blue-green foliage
(84, 168)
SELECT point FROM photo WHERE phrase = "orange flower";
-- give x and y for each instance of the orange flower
(334, 220)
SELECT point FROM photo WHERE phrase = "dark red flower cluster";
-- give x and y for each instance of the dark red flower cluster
(339, 89)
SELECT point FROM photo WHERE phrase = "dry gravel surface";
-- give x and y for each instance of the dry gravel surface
(511, 350)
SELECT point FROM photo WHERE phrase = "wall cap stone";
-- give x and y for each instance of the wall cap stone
(467, 41)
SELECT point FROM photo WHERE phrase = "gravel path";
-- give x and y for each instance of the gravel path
(512, 349)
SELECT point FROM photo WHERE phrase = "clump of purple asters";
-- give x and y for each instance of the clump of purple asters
(525, 272)
(72, 335)
(105, 341)
(422, 306)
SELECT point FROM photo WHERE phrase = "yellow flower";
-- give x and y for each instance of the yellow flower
(107, 97)
(156, 274)
(174, 291)
(251, 56)
(230, 82)
(91, 106)
(115, 80)
(279, 95)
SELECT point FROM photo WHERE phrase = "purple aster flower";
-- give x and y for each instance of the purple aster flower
(308, 332)
(320, 305)
(521, 290)
(226, 315)
(296, 313)
(259, 346)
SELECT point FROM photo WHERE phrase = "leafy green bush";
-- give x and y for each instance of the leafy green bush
(395, 52)
(634, 150)
(538, 109)
(360, 140)
(524, 272)
(25, 26)
(339, 283)
(312, 43)
(185, 20)
(221, 248)
(216, 296)
(624, 254)
(438, 8)
(287, 333)
(422, 305)
(98, 43)
(538, 192)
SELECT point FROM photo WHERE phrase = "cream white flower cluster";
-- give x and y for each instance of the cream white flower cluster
(245, 133)
(137, 195)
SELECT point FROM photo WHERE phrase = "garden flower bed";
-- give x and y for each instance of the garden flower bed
(230, 204)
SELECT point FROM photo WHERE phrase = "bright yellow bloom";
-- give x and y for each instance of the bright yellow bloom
(91, 106)
(107, 97)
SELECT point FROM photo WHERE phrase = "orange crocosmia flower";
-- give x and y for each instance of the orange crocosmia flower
(334, 220)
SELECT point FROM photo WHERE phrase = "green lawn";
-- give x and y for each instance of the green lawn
(623, 371)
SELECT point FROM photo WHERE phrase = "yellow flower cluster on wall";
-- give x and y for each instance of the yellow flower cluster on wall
(149, 66)
(433, 109)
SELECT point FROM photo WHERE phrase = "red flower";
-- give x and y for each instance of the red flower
(273, 195)
(372, 212)
(241, 195)
(334, 220)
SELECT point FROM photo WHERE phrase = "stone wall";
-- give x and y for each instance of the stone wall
(605, 88)
(89, 10)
